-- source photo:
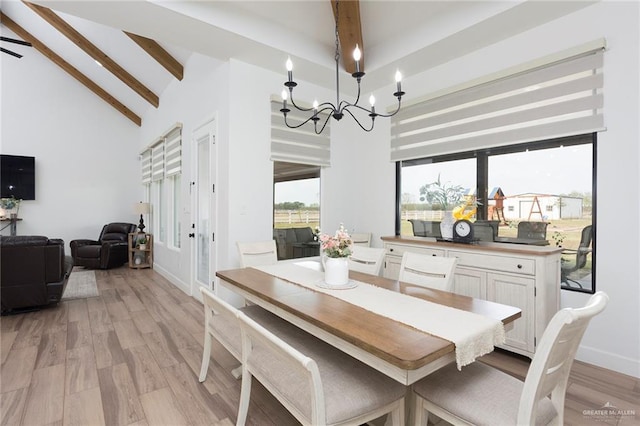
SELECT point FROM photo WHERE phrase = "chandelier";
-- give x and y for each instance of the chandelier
(341, 107)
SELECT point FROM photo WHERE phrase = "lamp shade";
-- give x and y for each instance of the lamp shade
(142, 208)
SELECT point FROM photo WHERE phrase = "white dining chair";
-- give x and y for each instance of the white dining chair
(317, 383)
(361, 239)
(221, 323)
(480, 394)
(428, 271)
(366, 259)
(257, 253)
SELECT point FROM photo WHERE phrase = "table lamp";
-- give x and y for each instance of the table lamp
(142, 209)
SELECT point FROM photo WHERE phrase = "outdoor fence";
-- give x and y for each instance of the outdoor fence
(292, 217)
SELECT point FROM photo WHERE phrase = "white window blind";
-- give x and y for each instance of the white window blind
(556, 100)
(157, 161)
(173, 152)
(145, 164)
(299, 145)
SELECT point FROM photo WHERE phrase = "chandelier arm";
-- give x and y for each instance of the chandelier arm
(297, 107)
(368, 111)
(345, 104)
(299, 125)
(323, 125)
(393, 113)
(325, 106)
(357, 121)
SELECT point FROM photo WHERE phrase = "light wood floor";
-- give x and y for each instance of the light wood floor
(132, 355)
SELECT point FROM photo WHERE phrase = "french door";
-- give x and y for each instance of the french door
(203, 207)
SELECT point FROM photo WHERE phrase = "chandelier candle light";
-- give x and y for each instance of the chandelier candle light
(341, 107)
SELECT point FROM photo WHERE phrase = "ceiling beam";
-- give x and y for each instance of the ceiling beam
(93, 51)
(56, 59)
(350, 32)
(158, 53)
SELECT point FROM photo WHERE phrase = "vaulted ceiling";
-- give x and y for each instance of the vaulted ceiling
(142, 44)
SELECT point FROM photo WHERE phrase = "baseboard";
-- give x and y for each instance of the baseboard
(185, 287)
(609, 360)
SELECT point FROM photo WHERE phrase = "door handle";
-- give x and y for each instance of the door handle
(192, 235)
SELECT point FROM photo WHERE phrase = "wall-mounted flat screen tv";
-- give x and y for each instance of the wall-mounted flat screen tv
(18, 177)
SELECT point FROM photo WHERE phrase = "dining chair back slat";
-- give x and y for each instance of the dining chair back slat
(361, 239)
(366, 259)
(428, 271)
(257, 253)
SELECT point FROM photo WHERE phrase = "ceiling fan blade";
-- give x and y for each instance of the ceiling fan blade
(17, 55)
(13, 40)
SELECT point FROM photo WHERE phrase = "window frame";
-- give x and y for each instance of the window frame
(482, 157)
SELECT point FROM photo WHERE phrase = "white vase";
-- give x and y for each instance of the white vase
(336, 271)
(446, 226)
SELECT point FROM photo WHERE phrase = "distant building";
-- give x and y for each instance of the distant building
(542, 207)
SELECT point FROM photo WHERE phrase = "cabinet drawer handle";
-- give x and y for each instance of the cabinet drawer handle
(519, 266)
(390, 249)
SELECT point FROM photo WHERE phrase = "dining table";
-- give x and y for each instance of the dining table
(397, 349)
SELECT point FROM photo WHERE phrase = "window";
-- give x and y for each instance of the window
(175, 211)
(161, 162)
(549, 181)
(159, 211)
(296, 193)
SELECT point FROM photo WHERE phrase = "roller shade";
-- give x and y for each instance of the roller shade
(300, 145)
(145, 164)
(173, 152)
(561, 99)
(157, 162)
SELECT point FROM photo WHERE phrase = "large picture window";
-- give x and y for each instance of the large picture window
(551, 182)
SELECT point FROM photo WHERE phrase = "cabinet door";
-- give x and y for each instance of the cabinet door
(519, 292)
(470, 282)
(391, 268)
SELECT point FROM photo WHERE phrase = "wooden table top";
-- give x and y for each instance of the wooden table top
(398, 344)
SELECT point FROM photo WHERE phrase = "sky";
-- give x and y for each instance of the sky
(306, 191)
(551, 171)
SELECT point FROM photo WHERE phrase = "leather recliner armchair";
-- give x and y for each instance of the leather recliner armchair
(110, 250)
(33, 272)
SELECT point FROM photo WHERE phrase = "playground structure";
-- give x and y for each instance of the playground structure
(496, 211)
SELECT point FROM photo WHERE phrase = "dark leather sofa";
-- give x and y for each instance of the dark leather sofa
(33, 272)
(108, 251)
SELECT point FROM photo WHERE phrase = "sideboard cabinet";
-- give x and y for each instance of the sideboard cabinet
(527, 277)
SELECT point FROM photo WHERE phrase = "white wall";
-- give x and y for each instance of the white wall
(86, 152)
(613, 339)
(197, 98)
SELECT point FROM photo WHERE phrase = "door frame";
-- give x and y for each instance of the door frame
(209, 127)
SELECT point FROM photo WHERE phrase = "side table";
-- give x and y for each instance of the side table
(140, 256)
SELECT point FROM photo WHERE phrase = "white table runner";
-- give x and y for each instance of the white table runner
(473, 335)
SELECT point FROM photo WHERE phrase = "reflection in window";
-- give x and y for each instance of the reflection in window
(296, 209)
(430, 189)
(550, 182)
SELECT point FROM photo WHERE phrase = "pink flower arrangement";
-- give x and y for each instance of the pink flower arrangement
(338, 245)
